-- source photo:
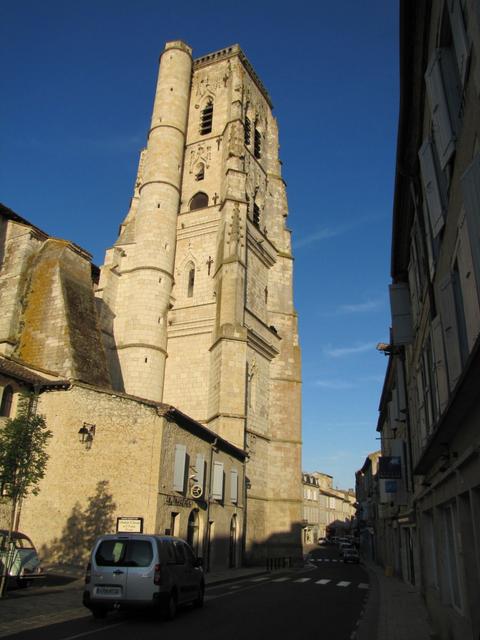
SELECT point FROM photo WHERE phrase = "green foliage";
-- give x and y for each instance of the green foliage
(23, 456)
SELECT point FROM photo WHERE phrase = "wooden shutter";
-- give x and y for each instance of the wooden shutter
(460, 41)
(471, 197)
(434, 187)
(179, 467)
(234, 486)
(450, 330)
(217, 481)
(441, 377)
(468, 284)
(402, 329)
(412, 283)
(444, 104)
(421, 405)
(428, 240)
(200, 469)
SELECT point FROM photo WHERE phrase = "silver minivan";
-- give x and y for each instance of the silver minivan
(139, 570)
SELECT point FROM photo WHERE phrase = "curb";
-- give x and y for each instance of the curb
(367, 628)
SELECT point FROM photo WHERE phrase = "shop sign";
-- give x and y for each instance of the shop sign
(178, 501)
(129, 525)
(390, 467)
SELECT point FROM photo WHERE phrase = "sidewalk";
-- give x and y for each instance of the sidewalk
(394, 610)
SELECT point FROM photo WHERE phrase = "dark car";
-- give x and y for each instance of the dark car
(23, 564)
(351, 555)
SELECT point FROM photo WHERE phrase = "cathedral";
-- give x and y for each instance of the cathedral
(189, 323)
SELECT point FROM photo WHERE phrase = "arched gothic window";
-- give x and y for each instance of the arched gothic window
(190, 280)
(199, 201)
(206, 118)
(6, 405)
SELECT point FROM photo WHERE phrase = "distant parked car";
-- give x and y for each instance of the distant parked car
(351, 555)
(345, 546)
(24, 564)
(139, 570)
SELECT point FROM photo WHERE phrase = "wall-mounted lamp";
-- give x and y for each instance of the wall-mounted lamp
(86, 434)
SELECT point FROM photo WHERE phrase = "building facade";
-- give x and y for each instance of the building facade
(327, 511)
(429, 472)
(196, 297)
(184, 344)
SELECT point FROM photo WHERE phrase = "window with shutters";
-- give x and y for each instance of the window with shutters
(206, 118)
(448, 303)
(217, 481)
(434, 186)
(470, 183)
(439, 365)
(467, 285)
(402, 329)
(454, 33)
(199, 201)
(179, 467)
(234, 486)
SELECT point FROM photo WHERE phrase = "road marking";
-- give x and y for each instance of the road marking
(322, 581)
(92, 631)
(302, 580)
(280, 579)
(343, 584)
(363, 585)
(261, 579)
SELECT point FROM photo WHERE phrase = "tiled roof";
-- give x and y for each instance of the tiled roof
(19, 372)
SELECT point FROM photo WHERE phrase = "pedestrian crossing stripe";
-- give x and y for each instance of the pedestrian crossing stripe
(302, 580)
(322, 581)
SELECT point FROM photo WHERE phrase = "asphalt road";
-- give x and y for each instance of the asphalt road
(323, 599)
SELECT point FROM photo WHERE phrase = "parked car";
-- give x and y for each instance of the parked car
(24, 564)
(345, 546)
(351, 555)
(140, 570)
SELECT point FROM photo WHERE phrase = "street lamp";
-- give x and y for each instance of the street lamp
(86, 434)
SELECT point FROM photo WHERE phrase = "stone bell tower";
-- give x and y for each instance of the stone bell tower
(196, 295)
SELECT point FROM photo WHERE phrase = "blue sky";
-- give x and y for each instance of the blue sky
(78, 81)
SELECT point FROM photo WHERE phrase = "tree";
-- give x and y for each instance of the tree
(23, 460)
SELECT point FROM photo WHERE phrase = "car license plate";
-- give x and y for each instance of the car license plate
(108, 591)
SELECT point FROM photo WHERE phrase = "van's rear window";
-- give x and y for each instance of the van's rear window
(124, 553)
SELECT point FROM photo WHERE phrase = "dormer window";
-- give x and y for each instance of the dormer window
(199, 201)
(206, 118)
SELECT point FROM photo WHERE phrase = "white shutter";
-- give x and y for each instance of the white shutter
(217, 481)
(468, 284)
(412, 283)
(441, 377)
(444, 103)
(200, 469)
(421, 406)
(428, 240)
(402, 329)
(234, 486)
(471, 196)
(179, 468)
(434, 187)
(450, 330)
(460, 41)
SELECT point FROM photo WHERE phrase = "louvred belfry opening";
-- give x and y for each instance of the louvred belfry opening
(206, 118)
